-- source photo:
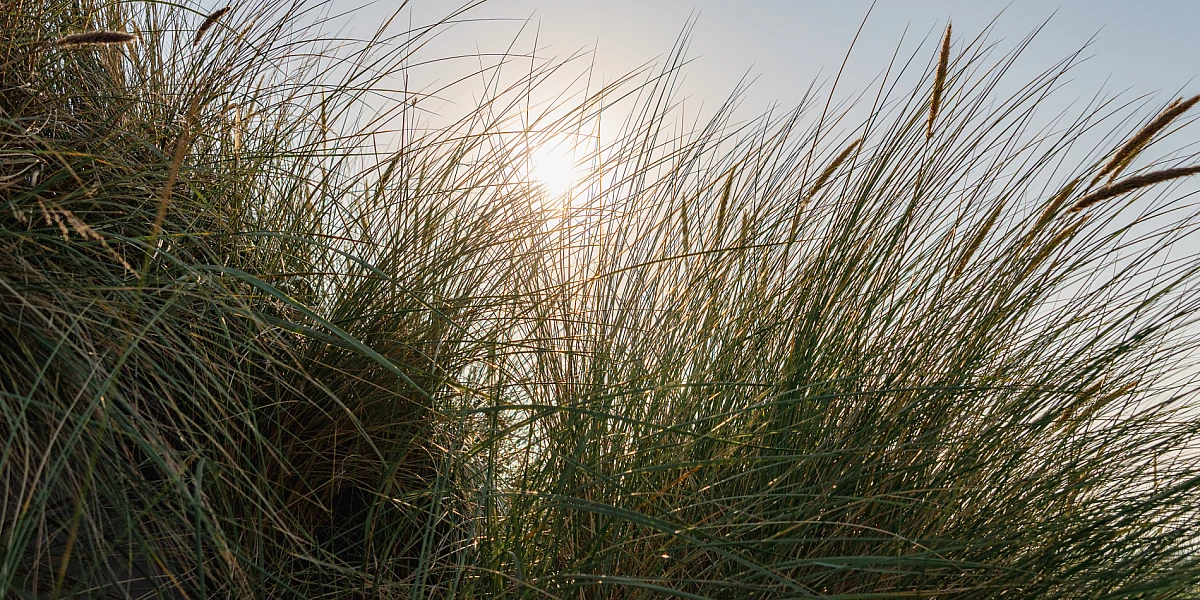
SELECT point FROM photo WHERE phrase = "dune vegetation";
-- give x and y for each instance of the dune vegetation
(263, 334)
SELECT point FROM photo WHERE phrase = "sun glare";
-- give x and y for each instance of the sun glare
(553, 168)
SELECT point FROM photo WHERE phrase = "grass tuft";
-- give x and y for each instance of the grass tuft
(363, 355)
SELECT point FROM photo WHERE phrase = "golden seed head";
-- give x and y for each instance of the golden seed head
(939, 82)
(823, 178)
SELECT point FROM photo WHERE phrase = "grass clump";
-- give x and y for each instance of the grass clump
(246, 353)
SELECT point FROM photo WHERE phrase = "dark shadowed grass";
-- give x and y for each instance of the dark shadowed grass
(246, 353)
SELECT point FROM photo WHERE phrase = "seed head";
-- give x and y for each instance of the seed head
(823, 178)
(977, 239)
(939, 82)
(96, 38)
(1132, 183)
(1130, 149)
(1055, 203)
(209, 21)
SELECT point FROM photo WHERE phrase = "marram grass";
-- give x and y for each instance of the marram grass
(248, 354)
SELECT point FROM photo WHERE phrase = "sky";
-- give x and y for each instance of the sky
(1147, 47)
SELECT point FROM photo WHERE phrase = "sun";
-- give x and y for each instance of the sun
(552, 166)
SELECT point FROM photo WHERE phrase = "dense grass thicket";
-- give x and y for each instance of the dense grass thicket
(933, 343)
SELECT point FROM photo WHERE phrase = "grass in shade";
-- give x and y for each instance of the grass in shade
(889, 350)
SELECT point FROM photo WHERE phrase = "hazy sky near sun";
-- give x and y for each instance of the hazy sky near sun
(1142, 47)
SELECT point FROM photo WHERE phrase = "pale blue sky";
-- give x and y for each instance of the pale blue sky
(1143, 47)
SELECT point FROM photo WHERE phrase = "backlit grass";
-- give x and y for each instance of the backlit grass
(266, 335)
